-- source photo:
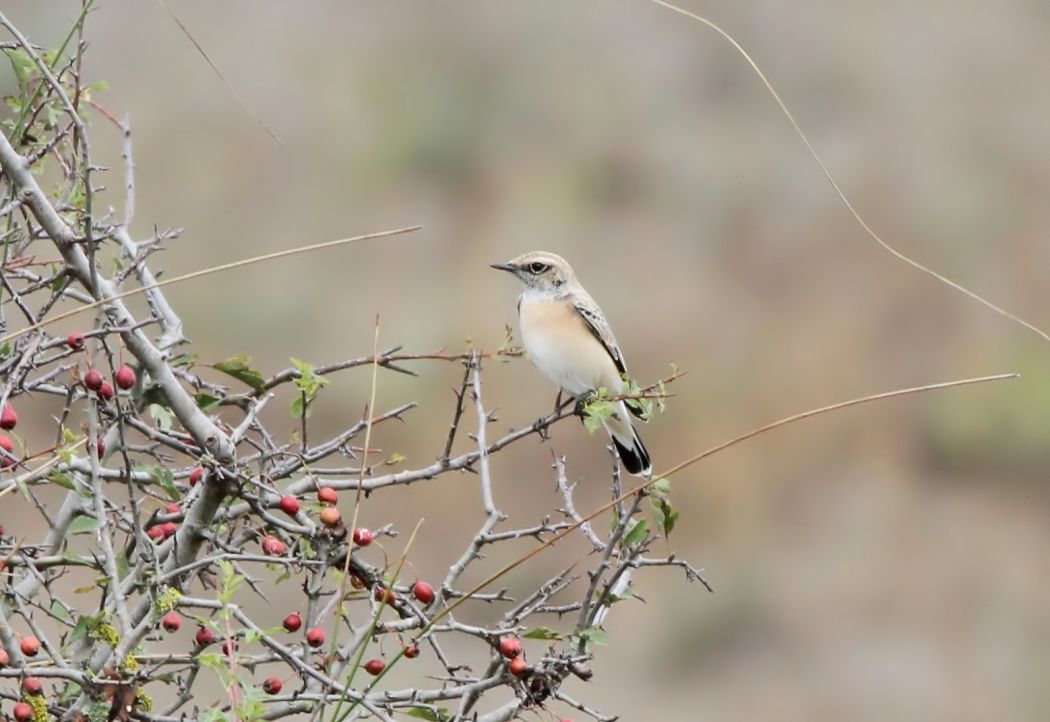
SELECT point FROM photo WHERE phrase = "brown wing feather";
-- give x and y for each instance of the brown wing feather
(599, 327)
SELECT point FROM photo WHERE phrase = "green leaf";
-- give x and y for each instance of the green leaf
(238, 367)
(542, 633)
(162, 415)
(23, 67)
(211, 661)
(61, 478)
(661, 486)
(439, 715)
(595, 413)
(82, 525)
(82, 627)
(186, 359)
(60, 612)
(163, 477)
(308, 383)
(206, 402)
(300, 407)
(594, 635)
(70, 692)
(637, 532)
(665, 514)
(395, 459)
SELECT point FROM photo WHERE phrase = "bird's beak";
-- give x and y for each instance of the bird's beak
(504, 267)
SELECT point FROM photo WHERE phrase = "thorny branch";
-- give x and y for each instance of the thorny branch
(177, 502)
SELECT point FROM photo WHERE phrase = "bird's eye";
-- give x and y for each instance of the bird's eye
(537, 267)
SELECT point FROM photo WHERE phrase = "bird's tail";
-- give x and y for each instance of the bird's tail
(633, 454)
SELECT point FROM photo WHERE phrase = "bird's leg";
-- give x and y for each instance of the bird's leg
(581, 403)
(544, 430)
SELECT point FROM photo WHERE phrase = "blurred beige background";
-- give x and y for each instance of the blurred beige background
(889, 562)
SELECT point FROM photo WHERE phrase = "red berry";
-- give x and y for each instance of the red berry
(30, 646)
(510, 647)
(5, 658)
(196, 475)
(315, 637)
(171, 621)
(106, 392)
(22, 712)
(5, 459)
(204, 637)
(292, 622)
(289, 505)
(411, 651)
(168, 528)
(518, 666)
(8, 417)
(375, 666)
(272, 546)
(327, 495)
(93, 379)
(124, 377)
(382, 594)
(362, 537)
(99, 445)
(33, 685)
(271, 685)
(75, 340)
(330, 516)
(172, 508)
(228, 648)
(156, 533)
(423, 592)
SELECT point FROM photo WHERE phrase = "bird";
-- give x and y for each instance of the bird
(568, 339)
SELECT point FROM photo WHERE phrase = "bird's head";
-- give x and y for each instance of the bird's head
(539, 270)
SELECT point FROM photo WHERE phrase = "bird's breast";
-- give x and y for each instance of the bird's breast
(562, 346)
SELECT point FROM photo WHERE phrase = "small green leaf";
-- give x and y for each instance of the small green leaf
(23, 67)
(162, 415)
(542, 633)
(594, 635)
(82, 627)
(395, 458)
(211, 661)
(439, 714)
(69, 692)
(238, 367)
(82, 525)
(665, 514)
(186, 359)
(308, 383)
(61, 478)
(206, 402)
(661, 486)
(163, 477)
(60, 612)
(595, 413)
(637, 532)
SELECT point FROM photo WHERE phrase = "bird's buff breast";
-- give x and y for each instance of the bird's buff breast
(563, 348)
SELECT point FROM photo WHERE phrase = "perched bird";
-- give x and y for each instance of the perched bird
(569, 340)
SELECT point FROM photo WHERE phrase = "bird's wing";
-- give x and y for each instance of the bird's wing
(599, 327)
(595, 320)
